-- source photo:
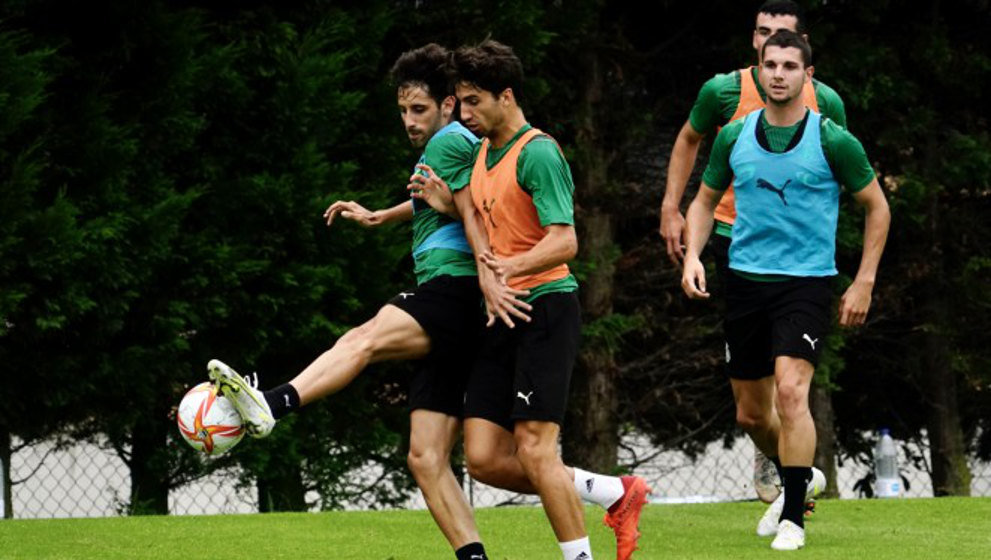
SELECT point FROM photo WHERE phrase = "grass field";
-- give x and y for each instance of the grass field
(950, 528)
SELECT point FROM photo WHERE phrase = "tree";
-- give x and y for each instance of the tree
(201, 149)
(919, 114)
(40, 243)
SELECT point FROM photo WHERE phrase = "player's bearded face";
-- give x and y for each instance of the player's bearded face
(783, 74)
(481, 111)
(422, 116)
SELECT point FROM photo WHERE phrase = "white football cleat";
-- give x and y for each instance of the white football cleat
(790, 537)
(817, 485)
(767, 483)
(247, 399)
(768, 524)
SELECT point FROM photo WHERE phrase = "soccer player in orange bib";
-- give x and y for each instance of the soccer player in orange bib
(522, 191)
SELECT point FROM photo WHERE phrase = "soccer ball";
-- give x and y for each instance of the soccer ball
(208, 421)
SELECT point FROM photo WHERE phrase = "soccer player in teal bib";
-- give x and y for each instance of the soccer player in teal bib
(436, 323)
(725, 98)
(787, 164)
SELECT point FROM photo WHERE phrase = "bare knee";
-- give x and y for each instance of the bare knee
(479, 471)
(536, 455)
(427, 461)
(359, 341)
(754, 403)
(484, 465)
(792, 401)
(752, 420)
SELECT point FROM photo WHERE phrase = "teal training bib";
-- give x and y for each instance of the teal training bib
(787, 205)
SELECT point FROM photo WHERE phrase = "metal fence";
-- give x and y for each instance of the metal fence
(88, 480)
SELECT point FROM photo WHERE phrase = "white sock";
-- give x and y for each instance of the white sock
(598, 488)
(576, 550)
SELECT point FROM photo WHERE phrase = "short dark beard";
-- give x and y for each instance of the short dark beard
(777, 103)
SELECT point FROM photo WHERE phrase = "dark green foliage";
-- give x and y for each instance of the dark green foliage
(917, 103)
(196, 153)
(164, 167)
(40, 242)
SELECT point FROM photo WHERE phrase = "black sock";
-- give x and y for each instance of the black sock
(777, 465)
(282, 400)
(471, 551)
(796, 483)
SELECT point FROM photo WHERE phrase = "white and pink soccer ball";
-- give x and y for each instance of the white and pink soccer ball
(208, 421)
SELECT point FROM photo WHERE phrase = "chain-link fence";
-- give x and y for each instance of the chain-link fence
(86, 479)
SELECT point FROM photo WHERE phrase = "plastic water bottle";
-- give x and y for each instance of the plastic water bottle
(888, 482)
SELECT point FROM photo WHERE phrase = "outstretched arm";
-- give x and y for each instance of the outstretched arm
(856, 301)
(353, 211)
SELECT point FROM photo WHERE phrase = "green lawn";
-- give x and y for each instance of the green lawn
(951, 528)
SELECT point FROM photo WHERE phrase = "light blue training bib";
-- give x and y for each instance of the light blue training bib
(787, 205)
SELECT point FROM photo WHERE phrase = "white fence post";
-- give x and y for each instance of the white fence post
(3, 482)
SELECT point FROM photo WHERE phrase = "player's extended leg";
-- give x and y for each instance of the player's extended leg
(796, 446)
(536, 446)
(432, 435)
(391, 335)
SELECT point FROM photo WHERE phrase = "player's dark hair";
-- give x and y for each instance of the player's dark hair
(424, 67)
(490, 66)
(784, 8)
(785, 39)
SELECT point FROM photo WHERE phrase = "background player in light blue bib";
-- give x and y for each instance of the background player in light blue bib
(788, 164)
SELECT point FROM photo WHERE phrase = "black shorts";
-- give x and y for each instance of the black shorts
(449, 309)
(525, 373)
(765, 320)
(719, 247)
